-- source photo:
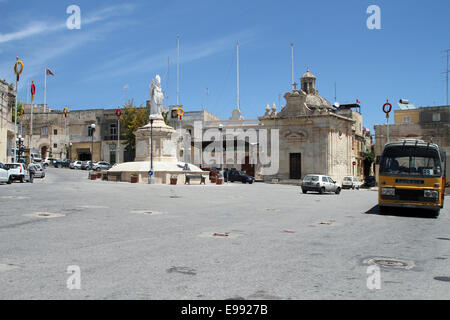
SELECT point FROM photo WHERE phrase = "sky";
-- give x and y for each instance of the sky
(126, 43)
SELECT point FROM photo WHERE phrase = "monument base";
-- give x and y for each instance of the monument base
(162, 171)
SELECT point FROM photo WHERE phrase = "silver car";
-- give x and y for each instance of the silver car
(37, 169)
(320, 183)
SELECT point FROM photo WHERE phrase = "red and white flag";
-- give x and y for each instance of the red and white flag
(357, 101)
(49, 72)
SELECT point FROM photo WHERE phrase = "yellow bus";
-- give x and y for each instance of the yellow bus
(411, 175)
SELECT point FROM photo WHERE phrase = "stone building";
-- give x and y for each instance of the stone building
(58, 136)
(314, 136)
(431, 124)
(7, 105)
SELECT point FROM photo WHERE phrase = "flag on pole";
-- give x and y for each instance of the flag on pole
(49, 72)
(357, 101)
(33, 90)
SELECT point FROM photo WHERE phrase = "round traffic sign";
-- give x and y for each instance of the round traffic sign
(118, 112)
(384, 107)
(150, 173)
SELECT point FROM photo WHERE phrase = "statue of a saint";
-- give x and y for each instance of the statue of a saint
(156, 98)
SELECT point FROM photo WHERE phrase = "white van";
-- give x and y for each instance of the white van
(350, 182)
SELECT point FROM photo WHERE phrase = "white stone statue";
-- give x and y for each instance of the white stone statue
(156, 98)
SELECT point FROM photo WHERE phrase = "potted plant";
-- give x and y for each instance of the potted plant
(213, 177)
(173, 179)
(134, 178)
(219, 179)
(92, 175)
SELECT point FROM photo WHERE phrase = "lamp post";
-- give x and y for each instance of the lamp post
(70, 150)
(92, 127)
(19, 143)
(151, 177)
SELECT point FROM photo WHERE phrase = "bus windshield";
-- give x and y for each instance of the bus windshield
(411, 161)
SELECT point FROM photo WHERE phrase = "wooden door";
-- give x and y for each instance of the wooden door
(295, 166)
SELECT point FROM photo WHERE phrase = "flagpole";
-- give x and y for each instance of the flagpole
(45, 89)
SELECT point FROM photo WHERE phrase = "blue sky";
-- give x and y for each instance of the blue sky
(129, 42)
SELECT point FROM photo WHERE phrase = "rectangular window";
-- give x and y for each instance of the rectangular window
(55, 145)
(436, 117)
(113, 129)
(55, 132)
(406, 119)
(44, 131)
(90, 131)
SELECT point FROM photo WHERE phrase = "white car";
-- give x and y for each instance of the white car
(350, 182)
(75, 165)
(5, 175)
(18, 171)
(48, 161)
(320, 183)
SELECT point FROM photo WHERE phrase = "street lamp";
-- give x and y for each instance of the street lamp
(151, 178)
(19, 142)
(70, 150)
(92, 127)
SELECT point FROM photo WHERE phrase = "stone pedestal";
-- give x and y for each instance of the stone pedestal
(165, 163)
(164, 148)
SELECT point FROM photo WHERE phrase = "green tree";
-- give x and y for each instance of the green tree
(19, 111)
(132, 119)
(368, 160)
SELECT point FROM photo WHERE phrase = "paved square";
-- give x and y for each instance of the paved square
(260, 241)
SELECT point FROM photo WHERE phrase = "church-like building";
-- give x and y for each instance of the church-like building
(314, 136)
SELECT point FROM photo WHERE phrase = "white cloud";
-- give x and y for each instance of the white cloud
(133, 62)
(39, 27)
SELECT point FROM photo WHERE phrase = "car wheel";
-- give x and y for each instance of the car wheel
(305, 191)
(21, 179)
(338, 190)
(322, 190)
(10, 180)
(353, 187)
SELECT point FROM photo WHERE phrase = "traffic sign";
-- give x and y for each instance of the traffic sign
(150, 173)
(384, 107)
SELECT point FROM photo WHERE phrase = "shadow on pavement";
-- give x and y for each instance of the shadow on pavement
(403, 212)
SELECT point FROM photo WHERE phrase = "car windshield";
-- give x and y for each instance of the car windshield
(348, 179)
(311, 178)
(12, 165)
(411, 161)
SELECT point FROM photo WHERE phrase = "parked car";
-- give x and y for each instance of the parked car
(5, 175)
(75, 165)
(19, 172)
(86, 165)
(37, 169)
(370, 182)
(65, 163)
(235, 175)
(320, 183)
(57, 163)
(35, 157)
(48, 161)
(101, 165)
(351, 182)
